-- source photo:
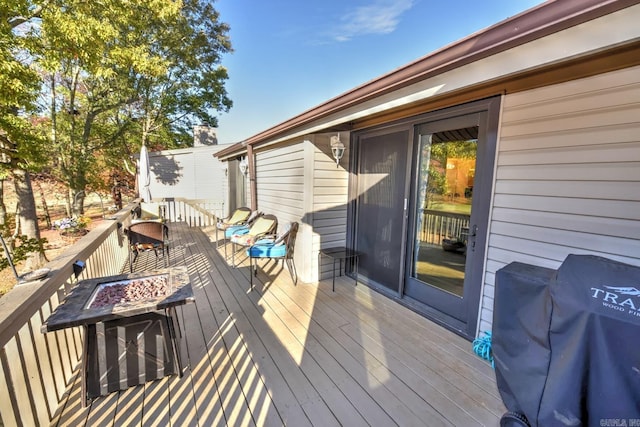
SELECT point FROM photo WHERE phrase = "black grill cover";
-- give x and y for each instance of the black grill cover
(520, 337)
(589, 339)
(594, 375)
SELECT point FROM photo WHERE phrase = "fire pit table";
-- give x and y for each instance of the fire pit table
(131, 331)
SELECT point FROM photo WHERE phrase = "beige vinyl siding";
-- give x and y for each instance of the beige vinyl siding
(330, 184)
(567, 177)
(280, 192)
(280, 179)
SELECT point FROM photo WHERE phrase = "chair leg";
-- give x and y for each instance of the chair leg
(292, 271)
(133, 256)
(251, 272)
(233, 254)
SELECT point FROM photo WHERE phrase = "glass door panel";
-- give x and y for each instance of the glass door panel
(446, 170)
(439, 258)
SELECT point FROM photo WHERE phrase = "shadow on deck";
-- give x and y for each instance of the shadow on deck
(297, 355)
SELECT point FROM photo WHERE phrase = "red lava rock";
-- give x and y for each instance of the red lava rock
(131, 291)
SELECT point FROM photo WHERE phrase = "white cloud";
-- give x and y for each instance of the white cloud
(380, 17)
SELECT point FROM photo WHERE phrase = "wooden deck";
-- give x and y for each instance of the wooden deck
(298, 355)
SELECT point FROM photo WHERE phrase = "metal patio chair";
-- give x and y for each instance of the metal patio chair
(263, 226)
(145, 236)
(238, 228)
(237, 217)
(280, 247)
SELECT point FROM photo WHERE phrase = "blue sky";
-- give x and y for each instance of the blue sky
(291, 55)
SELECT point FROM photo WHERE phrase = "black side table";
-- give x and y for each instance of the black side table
(339, 253)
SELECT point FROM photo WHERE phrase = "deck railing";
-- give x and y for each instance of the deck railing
(437, 225)
(195, 212)
(36, 368)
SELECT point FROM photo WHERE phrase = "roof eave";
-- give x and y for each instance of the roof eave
(535, 23)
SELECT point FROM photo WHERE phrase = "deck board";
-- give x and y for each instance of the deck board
(297, 355)
(156, 403)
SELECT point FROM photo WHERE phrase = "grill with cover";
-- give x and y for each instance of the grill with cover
(565, 343)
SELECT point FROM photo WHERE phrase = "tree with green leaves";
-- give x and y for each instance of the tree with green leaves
(114, 74)
(21, 142)
(106, 72)
(191, 90)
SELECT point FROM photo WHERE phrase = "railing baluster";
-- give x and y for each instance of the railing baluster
(437, 225)
(37, 368)
(9, 413)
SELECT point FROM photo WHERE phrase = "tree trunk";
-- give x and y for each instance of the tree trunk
(3, 207)
(67, 203)
(78, 202)
(45, 207)
(27, 217)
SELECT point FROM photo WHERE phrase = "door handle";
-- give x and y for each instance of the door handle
(474, 232)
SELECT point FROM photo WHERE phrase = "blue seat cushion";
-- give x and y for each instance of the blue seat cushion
(267, 250)
(236, 229)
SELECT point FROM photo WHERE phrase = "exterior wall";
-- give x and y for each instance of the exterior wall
(329, 185)
(300, 182)
(280, 190)
(568, 176)
(192, 173)
(280, 179)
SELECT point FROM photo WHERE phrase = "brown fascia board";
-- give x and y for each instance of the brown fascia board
(234, 149)
(545, 19)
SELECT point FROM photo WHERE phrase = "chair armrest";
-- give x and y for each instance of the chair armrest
(264, 236)
(264, 241)
(222, 220)
(241, 231)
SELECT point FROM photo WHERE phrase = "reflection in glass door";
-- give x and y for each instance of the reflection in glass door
(446, 173)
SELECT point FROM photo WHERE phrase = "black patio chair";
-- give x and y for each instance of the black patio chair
(145, 236)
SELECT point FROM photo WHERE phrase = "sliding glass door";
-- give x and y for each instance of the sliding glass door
(422, 196)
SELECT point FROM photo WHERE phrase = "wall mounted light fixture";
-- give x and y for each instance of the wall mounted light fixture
(337, 148)
(243, 165)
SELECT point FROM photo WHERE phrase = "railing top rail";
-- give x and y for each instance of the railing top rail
(184, 200)
(199, 209)
(446, 214)
(20, 303)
